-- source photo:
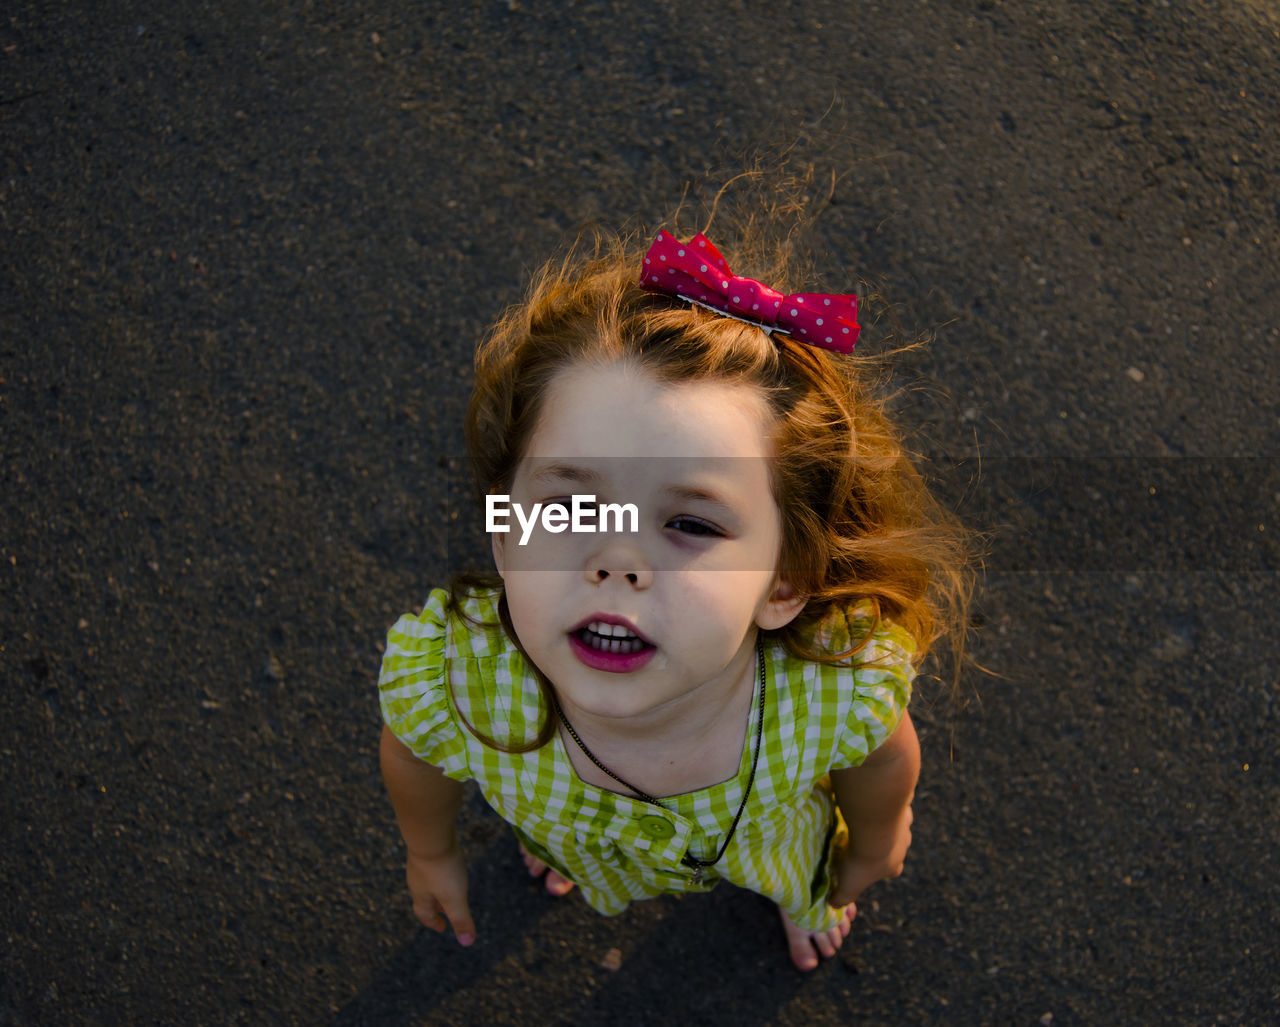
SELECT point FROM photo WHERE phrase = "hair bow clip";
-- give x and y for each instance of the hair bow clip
(696, 273)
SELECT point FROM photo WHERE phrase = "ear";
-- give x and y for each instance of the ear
(781, 607)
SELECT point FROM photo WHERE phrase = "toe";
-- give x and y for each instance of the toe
(556, 884)
(532, 863)
(823, 941)
(803, 955)
(799, 946)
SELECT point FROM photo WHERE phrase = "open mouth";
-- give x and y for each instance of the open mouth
(610, 638)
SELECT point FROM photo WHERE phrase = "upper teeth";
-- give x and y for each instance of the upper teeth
(609, 630)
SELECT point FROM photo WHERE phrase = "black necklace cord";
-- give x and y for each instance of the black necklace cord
(689, 860)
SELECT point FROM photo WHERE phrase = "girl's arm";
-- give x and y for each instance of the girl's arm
(875, 801)
(426, 804)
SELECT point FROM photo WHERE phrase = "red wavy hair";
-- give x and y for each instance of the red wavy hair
(858, 522)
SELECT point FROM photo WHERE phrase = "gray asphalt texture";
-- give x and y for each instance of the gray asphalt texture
(247, 251)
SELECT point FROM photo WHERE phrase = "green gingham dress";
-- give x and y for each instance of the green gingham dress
(439, 667)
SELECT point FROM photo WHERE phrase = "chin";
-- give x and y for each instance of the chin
(597, 704)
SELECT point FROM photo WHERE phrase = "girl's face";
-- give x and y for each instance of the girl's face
(628, 624)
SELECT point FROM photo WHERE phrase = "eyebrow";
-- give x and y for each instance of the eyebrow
(555, 472)
(558, 471)
(696, 495)
(566, 472)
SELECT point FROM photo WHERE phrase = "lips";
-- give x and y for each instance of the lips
(610, 643)
(610, 626)
(610, 638)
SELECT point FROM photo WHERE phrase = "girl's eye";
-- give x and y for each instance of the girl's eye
(586, 509)
(695, 526)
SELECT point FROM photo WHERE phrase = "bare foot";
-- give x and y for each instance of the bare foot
(556, 883)
(806, 946)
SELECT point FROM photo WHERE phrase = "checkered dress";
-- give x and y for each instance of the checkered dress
(439, 666)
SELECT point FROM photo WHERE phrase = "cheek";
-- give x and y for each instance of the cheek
(727, 598)
(531, 602)
(767, 546)
(519, 606)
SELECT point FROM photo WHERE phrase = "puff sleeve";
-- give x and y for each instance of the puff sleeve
(871, 696)
(413, 688)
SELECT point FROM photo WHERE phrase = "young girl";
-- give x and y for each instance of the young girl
(716, 686)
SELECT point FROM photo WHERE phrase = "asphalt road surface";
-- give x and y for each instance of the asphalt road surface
(247, 251)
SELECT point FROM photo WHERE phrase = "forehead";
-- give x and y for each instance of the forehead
(620, 410)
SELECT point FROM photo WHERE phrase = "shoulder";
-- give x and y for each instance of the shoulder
(853, 704)
(877, 641)
(443, 668)
(421, 643)
(472, 628)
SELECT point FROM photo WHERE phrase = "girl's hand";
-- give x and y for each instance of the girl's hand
(438, 885)
(869, 859)
(426, 803)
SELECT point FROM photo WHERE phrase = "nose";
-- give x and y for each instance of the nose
(622, 560)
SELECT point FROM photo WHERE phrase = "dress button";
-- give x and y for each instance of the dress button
(657, 827)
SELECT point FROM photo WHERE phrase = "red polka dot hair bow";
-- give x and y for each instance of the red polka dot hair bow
(695, 271)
